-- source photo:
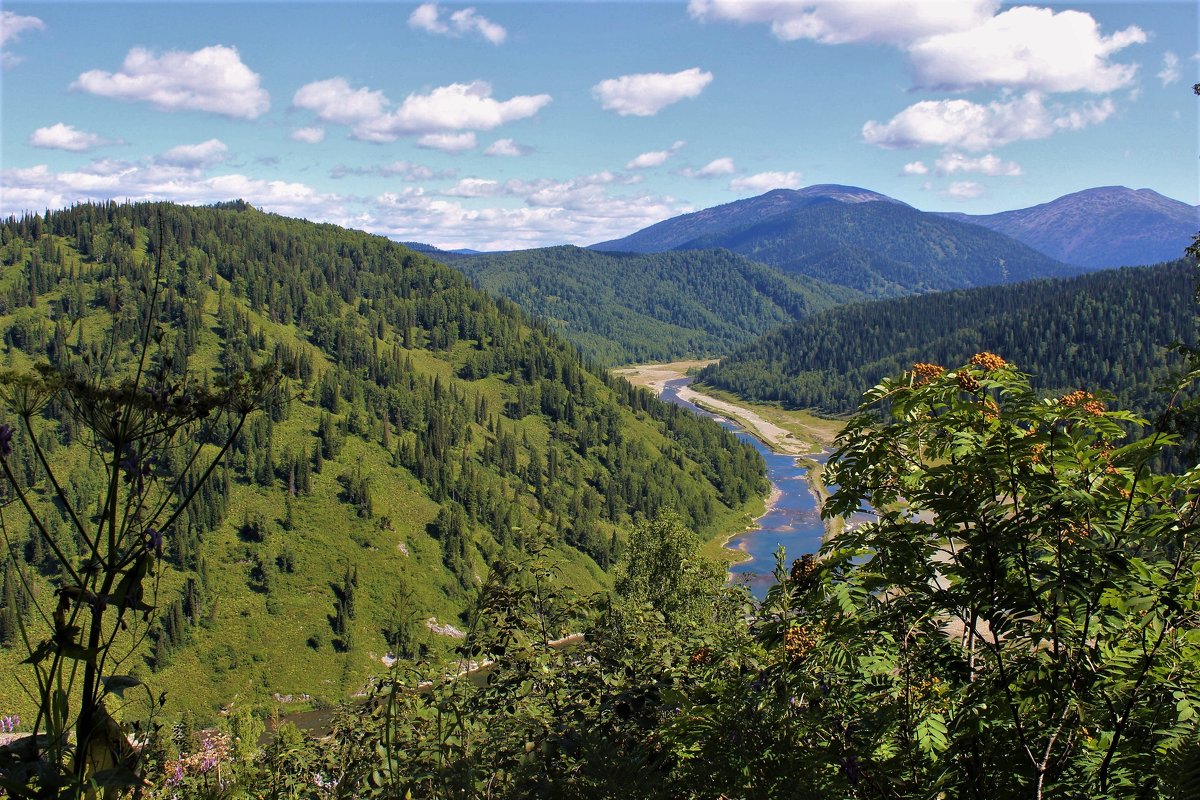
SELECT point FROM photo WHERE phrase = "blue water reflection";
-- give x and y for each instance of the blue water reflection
(794, 521)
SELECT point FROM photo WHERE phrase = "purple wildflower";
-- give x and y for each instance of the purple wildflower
(9, 723)
(154, 541)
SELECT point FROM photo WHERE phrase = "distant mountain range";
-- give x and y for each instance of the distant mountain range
(1109, 226)
(1103, 227)
(851, 237)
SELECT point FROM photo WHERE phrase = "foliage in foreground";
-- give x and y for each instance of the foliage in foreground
(1020, 621)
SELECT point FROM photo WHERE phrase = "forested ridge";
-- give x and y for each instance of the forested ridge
(421, 431)
(1107, 329)
(642, 307)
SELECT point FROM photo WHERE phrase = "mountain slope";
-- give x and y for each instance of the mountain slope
(424, 430)
(1108, 226)
(884, 249)
(1109, 329)
(624, 307)
(677, 232)
(851, 237)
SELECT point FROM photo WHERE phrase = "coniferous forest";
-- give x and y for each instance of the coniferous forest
(417, 432)
(1110, 329)
(251, 461)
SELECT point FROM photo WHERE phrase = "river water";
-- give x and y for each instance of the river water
(794, 521)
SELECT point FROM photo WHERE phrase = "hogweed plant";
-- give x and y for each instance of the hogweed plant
(158, 437)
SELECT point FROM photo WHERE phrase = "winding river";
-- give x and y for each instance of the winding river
(793, 520)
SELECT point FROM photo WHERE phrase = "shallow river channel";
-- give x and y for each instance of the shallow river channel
(794, 521)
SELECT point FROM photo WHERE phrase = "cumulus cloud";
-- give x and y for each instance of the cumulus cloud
(474, 187)
(507, 148)
(578, 210)
(841, 22)
(39, 187)
(12, 25)
(964, 190)
(1027, 48)
(714, 169)
(655, 158)
(915, 168)
(371, 117)
(196, 156)
(973, 126)
(646, 94)
(310, 135)
(1170, 72)
(956, 44)
(765, 181)
(950, 163)
(67, 137)
(428, 17)
(448, 142)
(211, 79)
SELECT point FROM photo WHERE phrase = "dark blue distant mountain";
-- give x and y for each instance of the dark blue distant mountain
(851, 237)
(1108, 226)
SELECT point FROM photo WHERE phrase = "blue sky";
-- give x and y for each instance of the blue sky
(504, 125)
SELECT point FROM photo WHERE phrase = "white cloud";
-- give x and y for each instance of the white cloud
(39, 188)
(507, 148)
(1027, 48)
(716, 168)
(646, 94)
(196, 156)
(310, 135)
(578, 210)
(474, 187)
(67, 137)
(448, 142)
(765, 181)
(334, 101)
(1170, 72)
(655, 158)
(427, 17)
(972, 126)
(459, 106)
(950, 163)
(12, 25)
(964, 190)
(956, 44)
(840, 22)
(915, 168)
(212, 79)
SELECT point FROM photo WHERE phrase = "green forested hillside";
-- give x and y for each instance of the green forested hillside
(626, 307)
(422, 431)
(1106, 329)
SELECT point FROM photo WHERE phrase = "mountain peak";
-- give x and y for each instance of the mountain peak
(1105, 226)
(676, 231)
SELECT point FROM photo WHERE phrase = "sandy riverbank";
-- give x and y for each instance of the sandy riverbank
(655, 376)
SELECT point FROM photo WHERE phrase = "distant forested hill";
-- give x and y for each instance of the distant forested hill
(626, 307)
(1107, 329)
(425, 430)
